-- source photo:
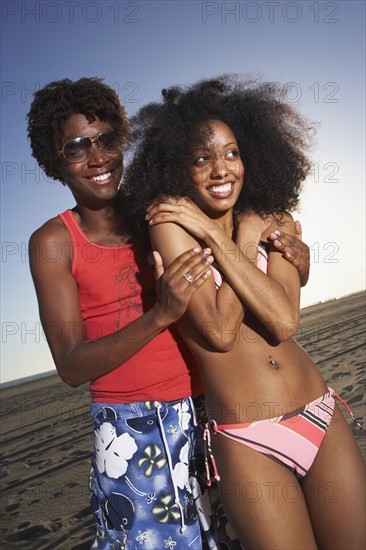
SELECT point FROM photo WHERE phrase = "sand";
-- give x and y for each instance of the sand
(47, 440)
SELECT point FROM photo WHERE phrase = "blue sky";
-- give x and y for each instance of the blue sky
(315, 49)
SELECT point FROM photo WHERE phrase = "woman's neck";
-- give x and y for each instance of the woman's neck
(104, 221)
(225, 220)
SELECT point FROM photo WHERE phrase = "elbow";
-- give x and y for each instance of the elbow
(69, 378)
(286, 330)
(284, 335)
(220, 339)
(221, 346)
(68, 367)
(73, 384)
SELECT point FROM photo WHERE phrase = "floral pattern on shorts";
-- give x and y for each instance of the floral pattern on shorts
(146, 481)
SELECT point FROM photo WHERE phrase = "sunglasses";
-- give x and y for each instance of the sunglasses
(78, 149)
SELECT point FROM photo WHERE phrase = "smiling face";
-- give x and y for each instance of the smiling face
(217, 170)
(95, 179)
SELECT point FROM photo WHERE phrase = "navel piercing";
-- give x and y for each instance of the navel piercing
(273, 363)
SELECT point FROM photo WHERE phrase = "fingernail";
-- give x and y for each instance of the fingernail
(197, 249)
(207, 250)
(277, 243)
(277, 232)
(209, 259)
(288, 255)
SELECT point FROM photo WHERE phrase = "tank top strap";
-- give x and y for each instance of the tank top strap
(73, 227)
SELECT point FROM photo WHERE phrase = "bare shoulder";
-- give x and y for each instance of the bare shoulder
(52, 230)
(49, 247)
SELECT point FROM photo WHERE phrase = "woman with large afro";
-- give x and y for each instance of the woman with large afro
(221, 163)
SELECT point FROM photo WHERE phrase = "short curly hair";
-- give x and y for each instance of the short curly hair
(57, 101)
(272, 138)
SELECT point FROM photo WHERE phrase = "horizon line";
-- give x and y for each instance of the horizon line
(35, 377)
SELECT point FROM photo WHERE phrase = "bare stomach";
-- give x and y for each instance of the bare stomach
(258, 378)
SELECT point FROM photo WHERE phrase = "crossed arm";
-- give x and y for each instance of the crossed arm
(273, 298)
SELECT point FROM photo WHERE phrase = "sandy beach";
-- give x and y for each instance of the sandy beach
(46, 435)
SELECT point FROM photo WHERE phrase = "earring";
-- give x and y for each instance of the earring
(120, 184)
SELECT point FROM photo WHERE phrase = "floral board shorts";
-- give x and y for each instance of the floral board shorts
(147, 481)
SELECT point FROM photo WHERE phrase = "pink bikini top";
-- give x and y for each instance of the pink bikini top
(262, 260)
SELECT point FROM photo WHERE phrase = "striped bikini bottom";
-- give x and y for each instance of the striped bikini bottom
(292, 439)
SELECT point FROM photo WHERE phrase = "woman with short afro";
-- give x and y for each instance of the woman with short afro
(46, 119)
(98, 293)
(220, 164)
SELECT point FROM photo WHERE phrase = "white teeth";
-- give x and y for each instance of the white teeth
(103, 177)
(221, 188)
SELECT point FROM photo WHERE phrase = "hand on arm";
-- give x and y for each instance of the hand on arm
(78, 361)
(294, 250)
(181, 211)
(174, 290)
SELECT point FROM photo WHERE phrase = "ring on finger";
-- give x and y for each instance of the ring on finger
(188, 277)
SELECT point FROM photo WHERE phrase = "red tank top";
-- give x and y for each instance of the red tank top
(116, 285)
